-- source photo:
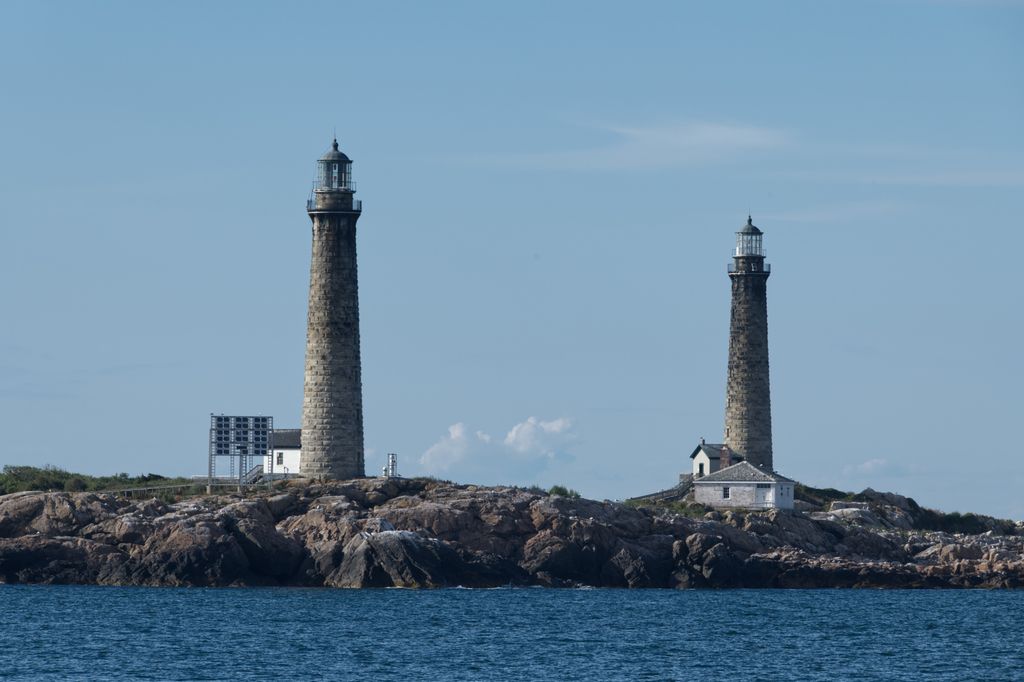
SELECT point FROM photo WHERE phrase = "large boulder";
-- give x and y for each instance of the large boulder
(397, 558)
(862, 517)
(131, 529)
(645, 563)
(553, 555)
(439, 520)
(194, 552)
(721, 567)
(18, 510)
(40, 559)
(269, 552)
(794, 529)
(955, 552)
(328, 520)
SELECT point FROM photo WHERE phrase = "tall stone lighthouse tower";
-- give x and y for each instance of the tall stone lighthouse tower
(332, 405)
(748, 409)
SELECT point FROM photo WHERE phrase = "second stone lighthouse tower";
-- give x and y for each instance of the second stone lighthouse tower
(332, 404)
(748, 409)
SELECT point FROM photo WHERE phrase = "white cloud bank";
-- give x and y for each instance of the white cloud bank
(522, 455)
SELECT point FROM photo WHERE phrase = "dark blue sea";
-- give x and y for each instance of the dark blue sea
(102, 633)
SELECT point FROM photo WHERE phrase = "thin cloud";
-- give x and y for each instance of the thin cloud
(660, 146)
(871, 466)
(912, 175)
(838, 212)
(969, 178)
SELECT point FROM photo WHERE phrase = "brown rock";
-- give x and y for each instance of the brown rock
(39, 559)
(397, 559)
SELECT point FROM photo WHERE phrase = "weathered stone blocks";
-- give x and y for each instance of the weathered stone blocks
(332, 406)
(748, 413)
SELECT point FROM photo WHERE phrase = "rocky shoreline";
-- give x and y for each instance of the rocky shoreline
(424, 533)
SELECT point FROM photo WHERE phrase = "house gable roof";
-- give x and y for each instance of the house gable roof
(713, 451)
(744, 472)
(287, 439)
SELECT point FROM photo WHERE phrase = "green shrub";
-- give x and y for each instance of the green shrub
(74, 484)
(955, 522)
(693, 510)
(563, 491)
(819, 497)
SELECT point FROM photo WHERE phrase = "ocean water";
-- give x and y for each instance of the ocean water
(71, 632)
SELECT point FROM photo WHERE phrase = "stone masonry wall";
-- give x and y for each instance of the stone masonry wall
(748, 412)
(332, 406)
(740, 495)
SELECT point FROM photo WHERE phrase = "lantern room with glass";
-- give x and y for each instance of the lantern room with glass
(749, 241)
(334, 171)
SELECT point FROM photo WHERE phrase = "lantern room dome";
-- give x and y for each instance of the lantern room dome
(334, 171)
(749, 241)
(750, 228)
(334, 154)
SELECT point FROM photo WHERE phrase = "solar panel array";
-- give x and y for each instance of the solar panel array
(240, 436)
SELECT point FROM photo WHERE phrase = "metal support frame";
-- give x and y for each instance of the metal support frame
(241, 440)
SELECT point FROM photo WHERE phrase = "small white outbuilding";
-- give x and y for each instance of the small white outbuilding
(283, 460)
(710, 457)
(745, 486)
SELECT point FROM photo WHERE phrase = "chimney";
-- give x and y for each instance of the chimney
(725, 458)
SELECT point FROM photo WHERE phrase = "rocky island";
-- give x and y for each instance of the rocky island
(426, 533)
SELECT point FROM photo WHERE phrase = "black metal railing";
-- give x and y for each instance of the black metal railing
(764, 267)
(349, 185)
(357, 207)
(254, 474)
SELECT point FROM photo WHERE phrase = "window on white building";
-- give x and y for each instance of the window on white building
(725, 492)
(280, 458)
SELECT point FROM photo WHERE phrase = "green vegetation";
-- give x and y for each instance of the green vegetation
(15, 479)
(693, 510)
(563, 491)
(923, 519)
(820, 497)
(955, 522)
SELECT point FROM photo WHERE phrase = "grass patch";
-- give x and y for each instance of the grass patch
(16, 479)
(693, 510)
(820, 497)
(955, 522)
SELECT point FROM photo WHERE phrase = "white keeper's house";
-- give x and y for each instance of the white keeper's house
(745, 486)
(283, 460)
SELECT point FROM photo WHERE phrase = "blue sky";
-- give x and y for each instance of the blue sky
(550, 195)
